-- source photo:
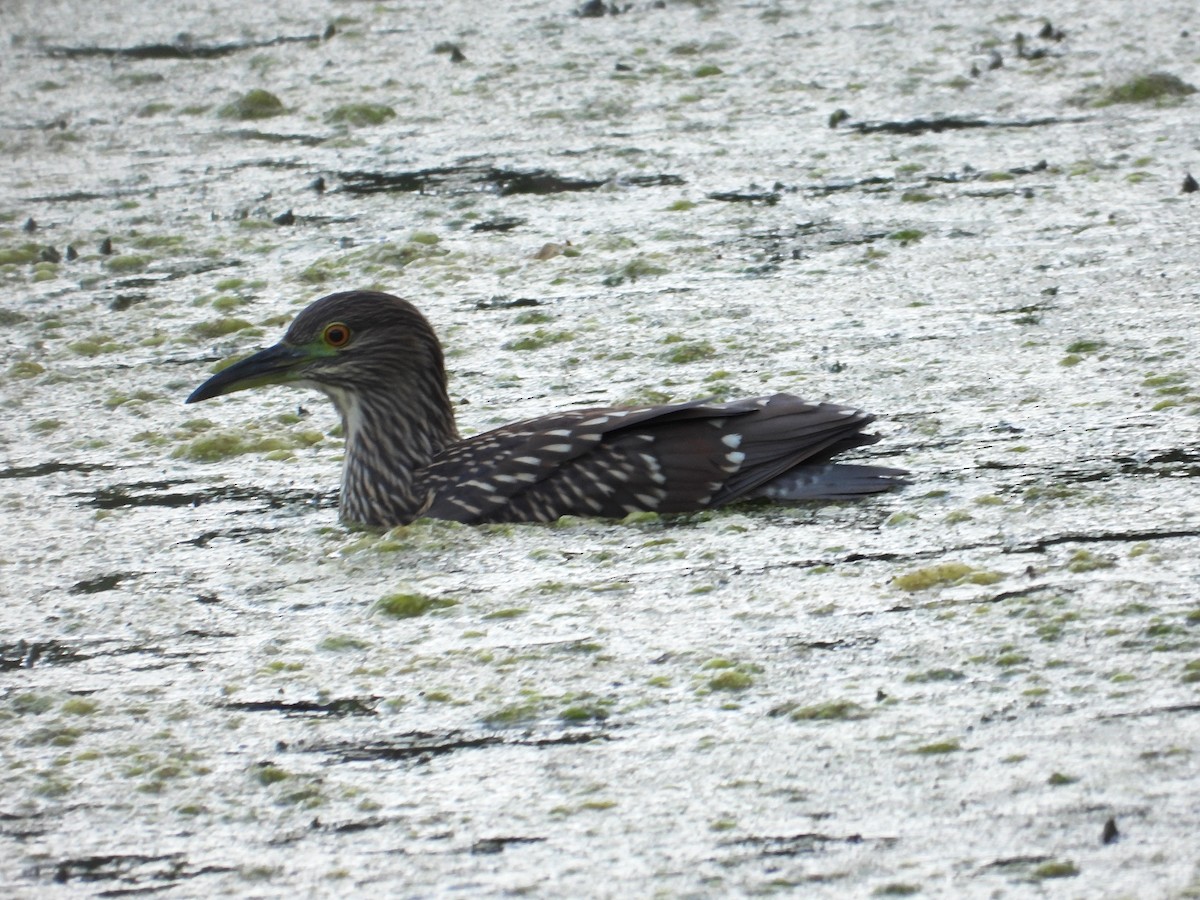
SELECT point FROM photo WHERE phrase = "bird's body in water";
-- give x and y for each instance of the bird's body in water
(377, 358)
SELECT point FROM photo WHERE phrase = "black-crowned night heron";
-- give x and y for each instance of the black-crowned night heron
(379, 361)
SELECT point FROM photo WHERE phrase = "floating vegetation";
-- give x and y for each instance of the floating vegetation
(219, 445)
(1086, 561)
(408, 606)
(906, 236)
(254, 104)
(944, 575)
(360, 114)
(1153, 88)
(128, 262)
(218, 327)
(938, 747)
(837, 710)
(1056, 869)
(692, 351)
(541, 337)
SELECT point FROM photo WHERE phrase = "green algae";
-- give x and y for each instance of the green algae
(532, 317)
(127, 262)
(80, 706)
(595, 711)
(25, 369)
(1172, 379)
(53, 736)
(635, 269)
(731, 680)
(252, 105)
(281, 666)
(513, 714)
(149, 110)
(938, 748)
(95, 345)
(23, 255)
(837, 710)
(408, 606)
(1058, 779)
(689, 352)
(541, 337)
(1086, 561)
(267, 774)
(158, 241)
(341, 643)
(931, 676)
(731, 676)
(12, 317)
(1010, 659)
(220, 445)
(1056, 869)
(1155, 87)
(219, 327)
(944, 575)
(115, 400)
(360, 115)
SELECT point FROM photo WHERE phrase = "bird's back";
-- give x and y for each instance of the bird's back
(677, 458)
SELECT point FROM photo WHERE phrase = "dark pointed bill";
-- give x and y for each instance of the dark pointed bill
(273, 365)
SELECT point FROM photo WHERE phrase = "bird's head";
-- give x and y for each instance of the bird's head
(348, 344)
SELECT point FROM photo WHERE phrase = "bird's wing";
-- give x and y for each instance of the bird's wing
(610, 462)
(550, 466)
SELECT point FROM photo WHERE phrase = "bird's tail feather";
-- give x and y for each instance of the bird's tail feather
(833, 481)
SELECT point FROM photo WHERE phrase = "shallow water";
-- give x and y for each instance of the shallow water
(198, 691)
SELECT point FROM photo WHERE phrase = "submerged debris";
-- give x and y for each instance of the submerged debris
(1110, 835)
(1050, 33)
(595, 9)
(181, 49)
(954, 123)
(501, 223)
(459, 179)
(768, 198)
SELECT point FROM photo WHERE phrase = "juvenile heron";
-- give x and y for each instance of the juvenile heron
(378, 359)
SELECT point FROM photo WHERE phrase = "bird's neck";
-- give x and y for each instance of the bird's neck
(390, 439)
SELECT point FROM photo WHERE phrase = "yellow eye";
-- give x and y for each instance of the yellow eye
(336, 334)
